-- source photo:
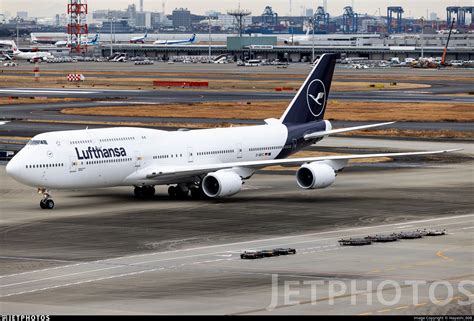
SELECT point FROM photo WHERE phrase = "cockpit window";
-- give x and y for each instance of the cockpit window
(37, 142)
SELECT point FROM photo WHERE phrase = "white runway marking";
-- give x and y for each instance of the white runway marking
(249, 242)
(29, 91)
(83, 282)
(60, 276)
(461, 229)
(117, 264)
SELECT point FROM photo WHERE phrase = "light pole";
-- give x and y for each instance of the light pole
(17, 30)
(292, 35)
(422, 35)
(210, 38)
(110, 20)
(113, 27)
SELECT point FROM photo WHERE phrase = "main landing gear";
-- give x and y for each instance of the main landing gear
(46, 203)
(182, 191)
(144, 191)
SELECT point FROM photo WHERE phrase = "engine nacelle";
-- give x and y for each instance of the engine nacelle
(221, 183)
(315, 175)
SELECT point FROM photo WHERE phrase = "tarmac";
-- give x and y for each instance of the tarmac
(104, 252)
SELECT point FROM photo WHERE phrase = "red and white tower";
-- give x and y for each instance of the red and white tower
(77, 28)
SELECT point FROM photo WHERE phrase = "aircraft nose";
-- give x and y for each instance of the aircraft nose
(12, 168)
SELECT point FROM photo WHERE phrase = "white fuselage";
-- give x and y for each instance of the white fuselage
(32, 55)
(115, 156)
(174, 42)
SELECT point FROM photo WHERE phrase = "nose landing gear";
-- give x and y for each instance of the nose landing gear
(46, 203)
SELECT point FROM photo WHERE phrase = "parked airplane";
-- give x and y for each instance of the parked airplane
(42, 40)
(93, 42)
(140, 39)
(297, 39)
(176, 42)
(208, 163)
(20, 55)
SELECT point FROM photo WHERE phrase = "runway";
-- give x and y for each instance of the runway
(104, 252)
(192, 95)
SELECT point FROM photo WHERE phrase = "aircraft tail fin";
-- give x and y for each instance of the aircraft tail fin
(309, 104)
(14, 47)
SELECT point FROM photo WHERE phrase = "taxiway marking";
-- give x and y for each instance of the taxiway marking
(245, 242)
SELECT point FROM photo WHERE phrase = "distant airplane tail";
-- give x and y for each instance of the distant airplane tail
(15, 48)
(310, 102)
(95, 39)
(193, 38)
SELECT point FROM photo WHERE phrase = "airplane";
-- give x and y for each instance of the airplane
(297, 39)
(176, 42)
(20, 55)
(93, 42)
(139, 39)
(208, 163)
(42, 40)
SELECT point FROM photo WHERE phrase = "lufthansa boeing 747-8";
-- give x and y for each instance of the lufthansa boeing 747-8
(207, 163)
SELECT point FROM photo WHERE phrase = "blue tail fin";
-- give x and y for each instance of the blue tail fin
(310, 102)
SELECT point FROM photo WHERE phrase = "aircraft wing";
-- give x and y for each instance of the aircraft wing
(343, 130)
(337, 162)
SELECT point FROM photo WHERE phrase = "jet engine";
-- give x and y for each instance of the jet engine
(221, 183)
(315, 175)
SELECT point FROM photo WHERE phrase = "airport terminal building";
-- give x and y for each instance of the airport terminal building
(370, 46)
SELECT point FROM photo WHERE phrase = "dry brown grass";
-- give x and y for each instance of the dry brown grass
(375, 111)
(357, 75)
(8, 139)
(336, 110)
(340, 74)
(231, 83)
(414, 133)
(37, 100)
(138, 124)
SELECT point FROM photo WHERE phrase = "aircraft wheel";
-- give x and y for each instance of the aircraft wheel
(138, 192)
(172, 191)
(47, 204)
(150, 191)
(198, 194)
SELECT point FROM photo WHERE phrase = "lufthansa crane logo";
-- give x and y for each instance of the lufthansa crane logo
(316, 97)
